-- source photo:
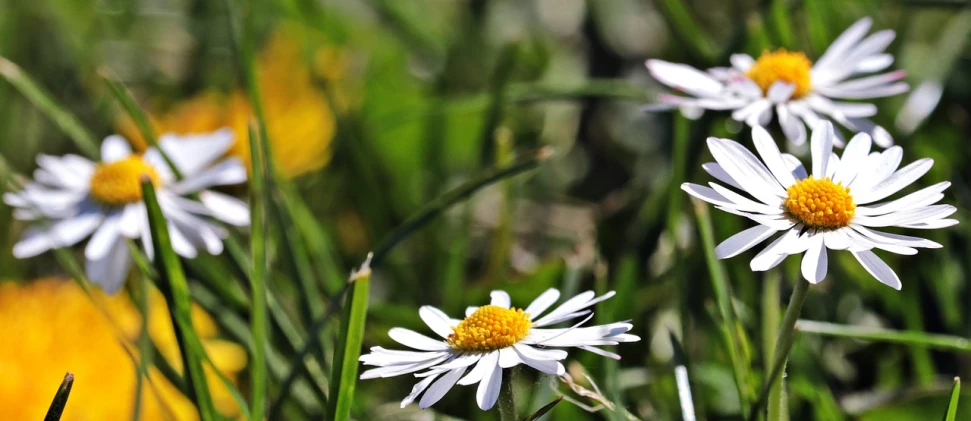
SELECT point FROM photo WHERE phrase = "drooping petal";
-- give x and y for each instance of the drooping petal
(878, 268)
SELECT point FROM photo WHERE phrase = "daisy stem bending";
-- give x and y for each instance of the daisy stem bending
(783, 343)
(507, 400)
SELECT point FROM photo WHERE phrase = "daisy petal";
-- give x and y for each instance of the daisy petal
(896, 182)
(484, 367)
(822, 146)
(192, 153)
(684, 78)
(416, 340)
(551, 367)
(488, 390)
(437, 320)
(814, 262)
(542, 303)
(715, 170)
(856, 151)
(114, 148)
(772, 157)
(739, 243)
(500, 299)
(417, 389)
(110, 271)
(878, 268)
(441, 386)
(63, 233)
(103, 238)
(226, 208)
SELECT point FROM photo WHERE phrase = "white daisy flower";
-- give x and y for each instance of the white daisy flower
(788, 82)
(835, 207)
(72, 198)
(489, 339)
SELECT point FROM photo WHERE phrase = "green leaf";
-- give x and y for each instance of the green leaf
(60, 398)
(344, 375)
(64, 120)
(913, 338)
(175, 287)
(952, 405)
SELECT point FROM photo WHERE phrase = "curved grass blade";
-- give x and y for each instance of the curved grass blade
(176, 290)
(542, 411)
(60, 399)
(929, 340)
(344, 376)
(952, 404)
(127, 100)
(61, 118)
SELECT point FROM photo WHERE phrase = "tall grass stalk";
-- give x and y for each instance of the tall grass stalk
(176, 290)
(344, 376)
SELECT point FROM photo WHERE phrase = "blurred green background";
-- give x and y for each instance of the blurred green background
(376, 107)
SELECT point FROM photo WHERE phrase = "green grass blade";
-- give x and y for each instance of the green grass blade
(63, 119)
(723, 298)
(781, 27)
(175, 287)
(952, 404)
(445, 201)
(144, 343)
(542, 411)
(687, 30)
(344, 375)
(60, 399)
(127, 100)
(875, 334)
(258, 321)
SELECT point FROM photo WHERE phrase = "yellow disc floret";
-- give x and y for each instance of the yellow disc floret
(119, 183)
(820, 203)
(782, 66)
(490, 328)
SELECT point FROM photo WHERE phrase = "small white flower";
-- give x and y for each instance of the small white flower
(835, 207)
(72, 198)
(489, 339)
(790, 83)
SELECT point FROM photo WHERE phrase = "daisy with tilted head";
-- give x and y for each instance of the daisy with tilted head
(839, 206)
(489, 339)
(72, 198)
(799, 90)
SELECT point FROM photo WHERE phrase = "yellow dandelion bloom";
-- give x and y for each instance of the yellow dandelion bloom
(51, 327)
(299, 120)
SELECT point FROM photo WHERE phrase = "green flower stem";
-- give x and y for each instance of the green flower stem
(507, 400)
(783, 343)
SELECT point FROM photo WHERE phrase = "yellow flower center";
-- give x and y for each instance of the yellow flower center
(820, 203)
(782, 66)
(119, 182)
(490, 328)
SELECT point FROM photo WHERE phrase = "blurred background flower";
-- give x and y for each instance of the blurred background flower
(51, 327)
(300, 119)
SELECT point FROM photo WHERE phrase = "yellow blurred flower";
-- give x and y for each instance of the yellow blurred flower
(50, 327)
(299, 120)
